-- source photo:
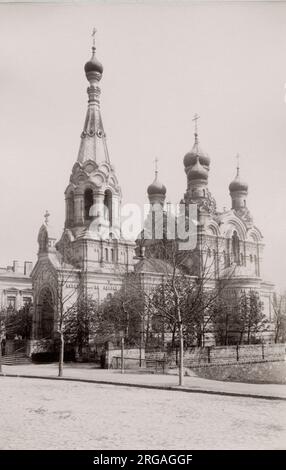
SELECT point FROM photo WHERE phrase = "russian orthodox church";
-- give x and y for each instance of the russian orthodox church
(92, 253)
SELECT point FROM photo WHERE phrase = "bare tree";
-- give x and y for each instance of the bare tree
(279, 309)
(123, 311)
(186, 294)
(250, 319)
(68, 292)
(82, 323)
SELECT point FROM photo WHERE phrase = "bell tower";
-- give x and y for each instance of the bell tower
(93, 196)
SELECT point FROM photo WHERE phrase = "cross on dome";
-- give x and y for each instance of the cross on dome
(195, 119)
(94, 31)
(46, 216)
(156, 166)
(238, 162)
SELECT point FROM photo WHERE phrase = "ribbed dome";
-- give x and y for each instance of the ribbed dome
(156, 188)
(237, 184)
(191, 157)
(198, 172)
(93, 65)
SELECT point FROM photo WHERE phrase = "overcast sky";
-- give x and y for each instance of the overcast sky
(163, 62)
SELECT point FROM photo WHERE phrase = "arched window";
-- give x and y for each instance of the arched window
(256, 265)
(241, 259)
(235, 247)
(108, 206)
(112, 255)
(224, 259)
(71, 208)
(214, 262)
(106, 254)
(88, 203)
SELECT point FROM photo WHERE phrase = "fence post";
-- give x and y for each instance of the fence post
(262, 350)
(237, 352)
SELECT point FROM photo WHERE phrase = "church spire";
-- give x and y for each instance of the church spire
(93, 139)
(156, 191)
(238, 189)
(190, 158)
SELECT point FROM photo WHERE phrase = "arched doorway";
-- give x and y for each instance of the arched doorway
(46, 314)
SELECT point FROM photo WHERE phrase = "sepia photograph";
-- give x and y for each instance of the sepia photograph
(143, 222)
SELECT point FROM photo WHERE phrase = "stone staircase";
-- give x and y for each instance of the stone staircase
(16, 358)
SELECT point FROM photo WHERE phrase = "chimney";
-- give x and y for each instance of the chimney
(28, 266)
(16, 266)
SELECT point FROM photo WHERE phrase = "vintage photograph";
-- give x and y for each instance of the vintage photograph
(142, 211)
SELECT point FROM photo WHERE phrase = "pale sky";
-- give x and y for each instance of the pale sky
(163, 62)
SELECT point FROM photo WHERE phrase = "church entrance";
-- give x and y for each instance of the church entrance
(46, 314)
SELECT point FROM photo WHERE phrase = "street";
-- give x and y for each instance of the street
(46, 414)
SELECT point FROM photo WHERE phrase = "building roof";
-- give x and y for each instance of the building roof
(153, 265)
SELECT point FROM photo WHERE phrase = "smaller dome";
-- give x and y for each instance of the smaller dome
(198, 172)
(191, 157)
(156, 188)
(93, 65)
(237, 184)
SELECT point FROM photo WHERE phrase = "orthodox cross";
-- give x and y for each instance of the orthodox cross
(156, 166)
(195, 118)
(47, 215)
(93, 36)
(237, 166)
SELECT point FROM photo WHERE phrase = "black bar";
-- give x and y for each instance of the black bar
(130, 458)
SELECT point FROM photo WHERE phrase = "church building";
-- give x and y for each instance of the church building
(92, 253)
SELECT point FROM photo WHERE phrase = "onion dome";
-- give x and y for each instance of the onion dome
(198, 172)
(191, 157)
(156, 188)
(93, 68)
(237, 184)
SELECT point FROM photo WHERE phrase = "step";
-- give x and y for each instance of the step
(16, 358)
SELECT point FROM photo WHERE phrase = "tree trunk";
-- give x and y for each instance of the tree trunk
(248, 335)
(1, 371)
(226, 332)
(61, 358)
(173, 336)
(276, 333)
(241, 336)
(203, 335)
(181, 366)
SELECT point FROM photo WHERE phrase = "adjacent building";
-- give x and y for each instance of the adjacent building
(16, 285)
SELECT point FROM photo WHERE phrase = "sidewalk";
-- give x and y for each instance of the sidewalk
(89, 373)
